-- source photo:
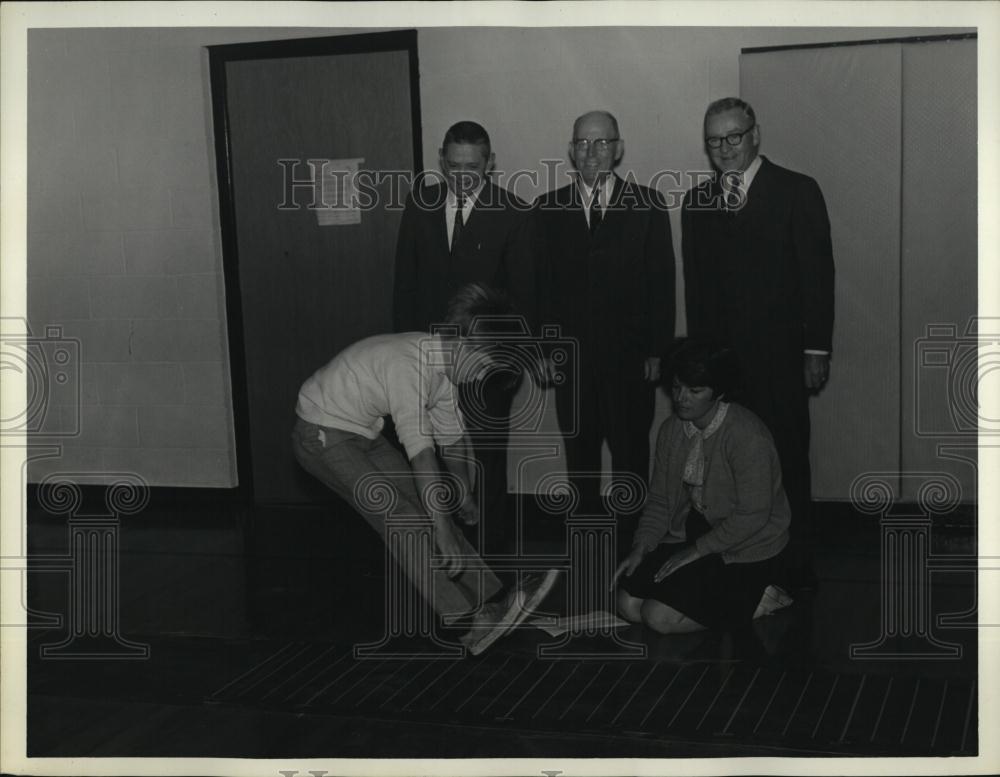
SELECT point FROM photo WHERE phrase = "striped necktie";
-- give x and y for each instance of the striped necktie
(732, 190)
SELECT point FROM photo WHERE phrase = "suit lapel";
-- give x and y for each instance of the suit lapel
(438, 225)
(757, 194)
(578, 210)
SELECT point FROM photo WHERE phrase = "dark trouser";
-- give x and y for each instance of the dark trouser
(612, 405)
(784, 408)
(485, 407)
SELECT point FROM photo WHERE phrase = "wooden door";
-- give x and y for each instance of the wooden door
(300, 289)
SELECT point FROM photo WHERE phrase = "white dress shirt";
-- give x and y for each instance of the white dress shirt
(587, 194)
(451, 208)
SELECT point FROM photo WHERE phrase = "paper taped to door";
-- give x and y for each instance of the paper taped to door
(337, 203)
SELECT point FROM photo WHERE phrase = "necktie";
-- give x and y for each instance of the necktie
(733, 190)
(456, 231)
(595, 211)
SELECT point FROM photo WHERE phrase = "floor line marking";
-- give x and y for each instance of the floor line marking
(937, 723)
(276, 669)
(405, 685)
(556, 691)
(826, 706)
(459, 684)
(690, 694)
(582, 691)
(330, 684)
(605, 698)
(528, 692)
(517, 677)
(854, 706)
(354, 685)
(254, 668)
(299, 671)
(743, 698)
(386, 679)
(451, 665)
(909, 715)
(878, 721)
(770, 701)
(662, 694)
(635, 692)
(796, 707)
(968, 713)
(718, 693)
(483, 685)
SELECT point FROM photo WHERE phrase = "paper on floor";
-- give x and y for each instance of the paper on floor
(591, 620)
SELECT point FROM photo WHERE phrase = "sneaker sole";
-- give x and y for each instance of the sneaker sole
(508, 622)
(517, 614)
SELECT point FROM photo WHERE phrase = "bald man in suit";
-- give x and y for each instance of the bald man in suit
(607, 279)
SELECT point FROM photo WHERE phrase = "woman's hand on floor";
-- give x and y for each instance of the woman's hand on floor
(629, 565)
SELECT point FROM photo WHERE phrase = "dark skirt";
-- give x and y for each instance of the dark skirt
(709, 591)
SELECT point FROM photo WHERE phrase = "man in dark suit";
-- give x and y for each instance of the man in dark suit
(607, 278)
(758, 273)
(465, 230)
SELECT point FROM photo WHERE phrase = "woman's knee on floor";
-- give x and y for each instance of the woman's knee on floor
(629, 607)
(663, 618)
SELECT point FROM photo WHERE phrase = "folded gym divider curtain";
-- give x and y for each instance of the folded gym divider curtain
(889, 132)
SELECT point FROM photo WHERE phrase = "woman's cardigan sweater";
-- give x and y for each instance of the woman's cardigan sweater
(744, 501)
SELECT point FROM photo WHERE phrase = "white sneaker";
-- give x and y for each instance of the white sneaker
(497, 619)
(774, 599)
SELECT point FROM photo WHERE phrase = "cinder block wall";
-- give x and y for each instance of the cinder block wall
(124, 252)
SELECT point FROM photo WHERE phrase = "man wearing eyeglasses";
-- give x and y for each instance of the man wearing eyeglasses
(607, 278)
(758, 273)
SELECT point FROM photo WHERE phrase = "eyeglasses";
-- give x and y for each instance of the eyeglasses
(600, 145)
(733, 138)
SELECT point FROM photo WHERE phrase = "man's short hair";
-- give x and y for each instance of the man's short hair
(467, 133)
(728, 104)
(478, 309)
(701, 362)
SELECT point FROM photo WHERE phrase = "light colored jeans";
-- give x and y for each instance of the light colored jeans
(343, 460)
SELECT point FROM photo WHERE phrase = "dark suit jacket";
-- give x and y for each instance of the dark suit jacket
(493, 248)
(761, 277)
(614, 291)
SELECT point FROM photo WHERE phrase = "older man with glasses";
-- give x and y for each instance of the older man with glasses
(607, 278)
(759, 274)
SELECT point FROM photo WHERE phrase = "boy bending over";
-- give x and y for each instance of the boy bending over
(410, 377)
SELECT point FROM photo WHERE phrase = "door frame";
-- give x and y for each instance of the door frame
(219, 57)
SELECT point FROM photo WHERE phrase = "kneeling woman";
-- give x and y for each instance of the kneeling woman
(710, 538)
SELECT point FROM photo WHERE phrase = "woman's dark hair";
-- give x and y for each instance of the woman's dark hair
(699, 362)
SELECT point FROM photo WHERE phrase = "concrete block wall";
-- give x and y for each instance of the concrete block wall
(124, 250)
